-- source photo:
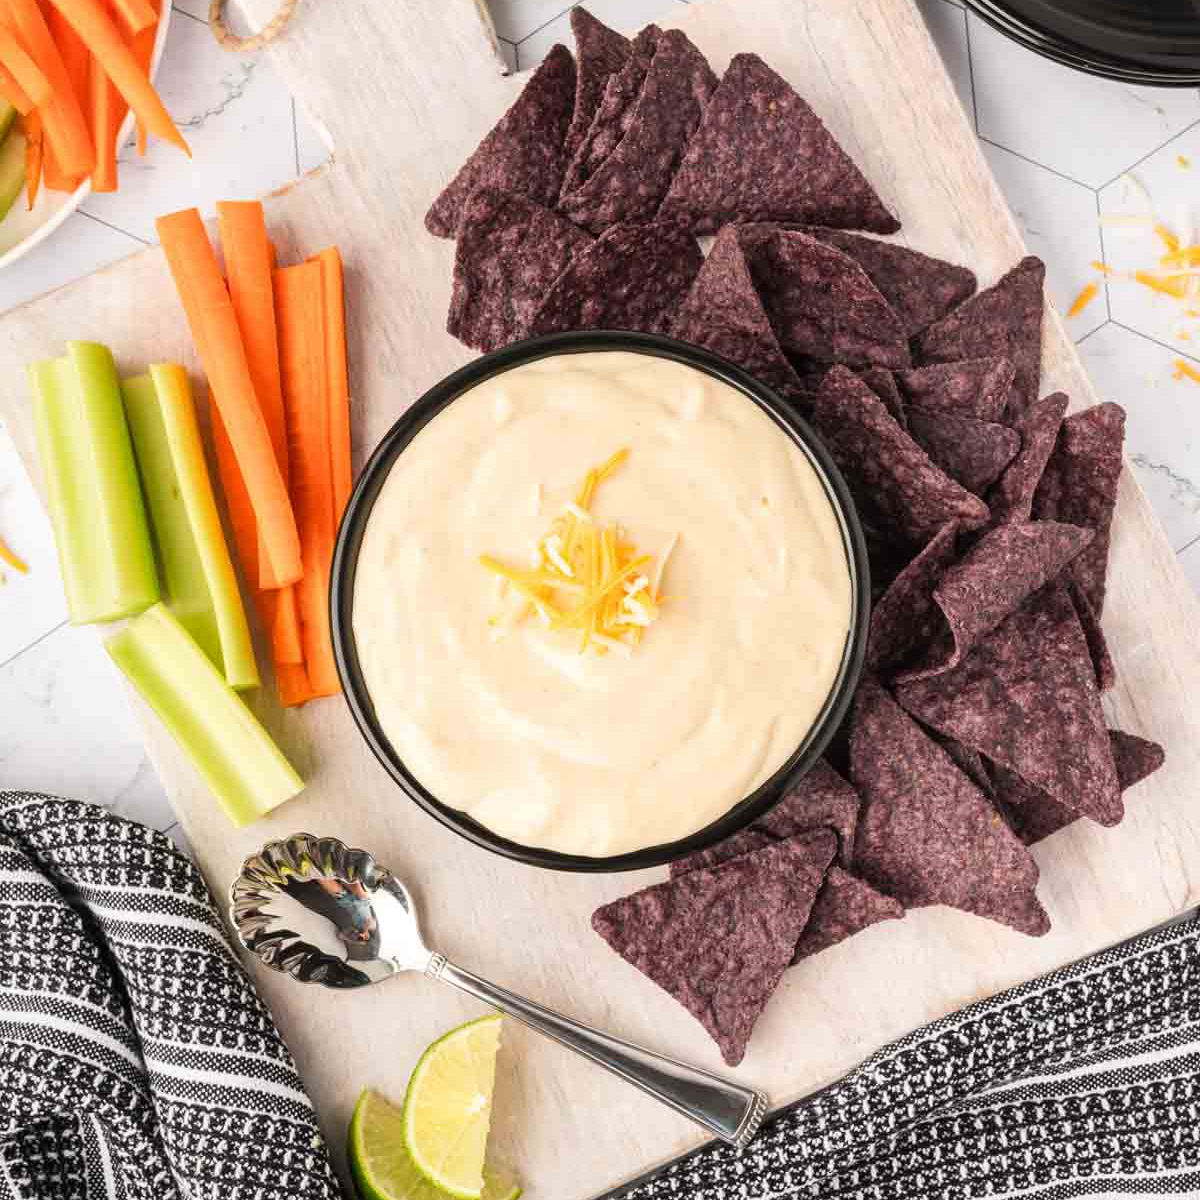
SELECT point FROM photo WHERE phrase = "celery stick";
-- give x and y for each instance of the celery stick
(92, 486)
(198, 580)
(235, 755)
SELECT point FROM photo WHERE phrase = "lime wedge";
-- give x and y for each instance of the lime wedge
(382, 1167)
(448, 1107)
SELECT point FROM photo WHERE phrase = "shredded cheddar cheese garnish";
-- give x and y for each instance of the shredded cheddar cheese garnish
(588, 578)
(1185, 370)
(1085, 297)
(1167, 238)
(13, 561)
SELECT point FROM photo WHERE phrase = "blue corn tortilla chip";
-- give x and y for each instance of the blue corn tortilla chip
(1027, 698)
(844, 906)
(1033, 815)
(723, 313)
(921, 289)
(718, 939)
(1080, 485)
(926, 834)
(1004, 568)
(762, 154)
(977, 388)
(1006, 320)
(1012, 497)
(613, 114)
(523, 153)
(509, 251)
(972, 452)
(906, 619)
(1097, 643)
(821, 800)
(600, 53)
(821, 302)
(883, 383)
(892, 479)
(631, 278)
(629, 184)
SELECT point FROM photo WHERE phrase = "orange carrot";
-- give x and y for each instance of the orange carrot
(22, 82)
(106, 112)
(142, 45)
(62, 117)
(53, 176)
(135, 14)
(294, 688)
(214, 328)
(277, 610)
(338, 389)
(34, 152)
(287, 645)
(247, 251)
(298, 312)
(102, 37)
(74, 53)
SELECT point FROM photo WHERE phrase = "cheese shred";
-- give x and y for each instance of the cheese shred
(588, 578)
(17, 564)
(1085, 297)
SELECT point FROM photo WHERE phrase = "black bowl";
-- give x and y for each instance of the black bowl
(376, 472)
(1154, 42)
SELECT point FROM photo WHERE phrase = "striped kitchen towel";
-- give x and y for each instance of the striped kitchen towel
(1085, 1083)
(136, 1060)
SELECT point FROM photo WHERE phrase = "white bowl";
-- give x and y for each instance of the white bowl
(23, 227)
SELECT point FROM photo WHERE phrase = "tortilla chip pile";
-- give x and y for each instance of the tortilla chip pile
(977, 729)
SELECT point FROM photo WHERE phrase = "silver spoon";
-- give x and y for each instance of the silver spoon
(326, 913)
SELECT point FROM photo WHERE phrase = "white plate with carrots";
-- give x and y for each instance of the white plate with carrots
(82, 85)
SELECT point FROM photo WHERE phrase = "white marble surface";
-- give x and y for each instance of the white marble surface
(1058, 142)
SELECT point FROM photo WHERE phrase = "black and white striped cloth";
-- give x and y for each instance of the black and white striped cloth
(136, 1060)
(1085, 1083)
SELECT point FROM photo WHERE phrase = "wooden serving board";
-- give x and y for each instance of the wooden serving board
(406, 88)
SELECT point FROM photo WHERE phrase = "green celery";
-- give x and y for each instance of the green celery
(235, 755)
(92, 487)
(198, 580)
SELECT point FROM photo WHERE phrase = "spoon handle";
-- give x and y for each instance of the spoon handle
(727, 1109)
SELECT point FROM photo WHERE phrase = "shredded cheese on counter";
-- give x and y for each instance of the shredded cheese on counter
(6, 555)
(588, 578)
(1168, 265)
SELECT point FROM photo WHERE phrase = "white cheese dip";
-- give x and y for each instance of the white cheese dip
(585, 753)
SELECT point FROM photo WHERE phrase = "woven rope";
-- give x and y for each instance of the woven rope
(228, 40)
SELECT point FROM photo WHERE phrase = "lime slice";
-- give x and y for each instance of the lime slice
(382, 1167)
(448, 1107)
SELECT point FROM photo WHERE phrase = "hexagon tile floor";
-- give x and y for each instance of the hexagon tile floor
(1066, 149)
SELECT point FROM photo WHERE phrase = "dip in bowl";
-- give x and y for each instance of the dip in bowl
(598, 600)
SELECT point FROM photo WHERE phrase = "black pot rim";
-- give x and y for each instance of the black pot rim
(1050, 44)
(358, 512)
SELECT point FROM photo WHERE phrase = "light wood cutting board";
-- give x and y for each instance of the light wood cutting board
(406, 88)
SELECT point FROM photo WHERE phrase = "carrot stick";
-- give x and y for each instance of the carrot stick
(142, 45)
(101, 36)
(276, 609)
(215, 330)
(53, 176)
(74, 53)
(23, 83)
(136, 14)
(107, 112)
(248, 267)
(35, 147)
(333, 293)
(62, 116)
(294, 687)
(298, 312)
